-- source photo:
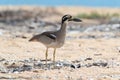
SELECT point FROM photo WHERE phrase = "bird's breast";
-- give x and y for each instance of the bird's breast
(55, 44)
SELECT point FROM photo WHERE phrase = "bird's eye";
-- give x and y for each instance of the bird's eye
(65, 18)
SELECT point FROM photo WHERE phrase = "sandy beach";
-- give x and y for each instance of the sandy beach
(98, 57)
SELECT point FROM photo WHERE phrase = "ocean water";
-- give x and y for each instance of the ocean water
(91, 3)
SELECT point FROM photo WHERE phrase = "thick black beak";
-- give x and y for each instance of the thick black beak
(76, 20)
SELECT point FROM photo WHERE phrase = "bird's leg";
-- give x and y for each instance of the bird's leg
(46, 54)
(54, 55)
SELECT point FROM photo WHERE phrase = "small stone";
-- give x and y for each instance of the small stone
(79, 66)
(2, 59)
(59, 64)
(36, 71)
(72, 66)
(88, 65)
(3, 69)
(37, 65)
(26, 67)
(76, 61)
(88, 59)
(104, 64)
(100, 64)
(96, 64)
(24, 37)
(97, 54)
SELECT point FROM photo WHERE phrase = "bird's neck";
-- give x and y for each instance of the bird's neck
(63, 27)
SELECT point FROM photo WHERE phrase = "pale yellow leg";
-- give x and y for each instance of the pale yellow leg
(54, 55)
(46, 55)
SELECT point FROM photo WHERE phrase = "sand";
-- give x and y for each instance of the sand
(108, 49)
(75, 49)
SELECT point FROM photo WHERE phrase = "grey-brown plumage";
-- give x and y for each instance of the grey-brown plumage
(54, 39)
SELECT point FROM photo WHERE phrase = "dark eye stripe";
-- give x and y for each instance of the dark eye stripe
(64, 18)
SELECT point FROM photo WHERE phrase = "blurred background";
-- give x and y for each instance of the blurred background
(36, 16)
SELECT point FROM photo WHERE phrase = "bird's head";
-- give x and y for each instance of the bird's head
(70, 18)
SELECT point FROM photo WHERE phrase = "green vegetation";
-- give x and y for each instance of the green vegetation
(96, 15)
(116, 15)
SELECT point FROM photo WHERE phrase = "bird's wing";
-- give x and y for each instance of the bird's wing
(50, 35)
(47, 38)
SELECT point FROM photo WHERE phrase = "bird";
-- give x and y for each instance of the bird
(54, 39)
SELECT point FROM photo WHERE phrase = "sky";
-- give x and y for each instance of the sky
(92, 3)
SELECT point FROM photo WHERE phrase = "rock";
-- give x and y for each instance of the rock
(78, 65)
(59, 64)
(26, 67)
(38, 65)
(88, 59)
(3, 68)
(97, 54)
(100, 63)
(89, 65)
(73, 66)
(2, 59)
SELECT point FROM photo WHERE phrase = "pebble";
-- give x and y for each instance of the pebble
(100, 64)
(88, 59)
